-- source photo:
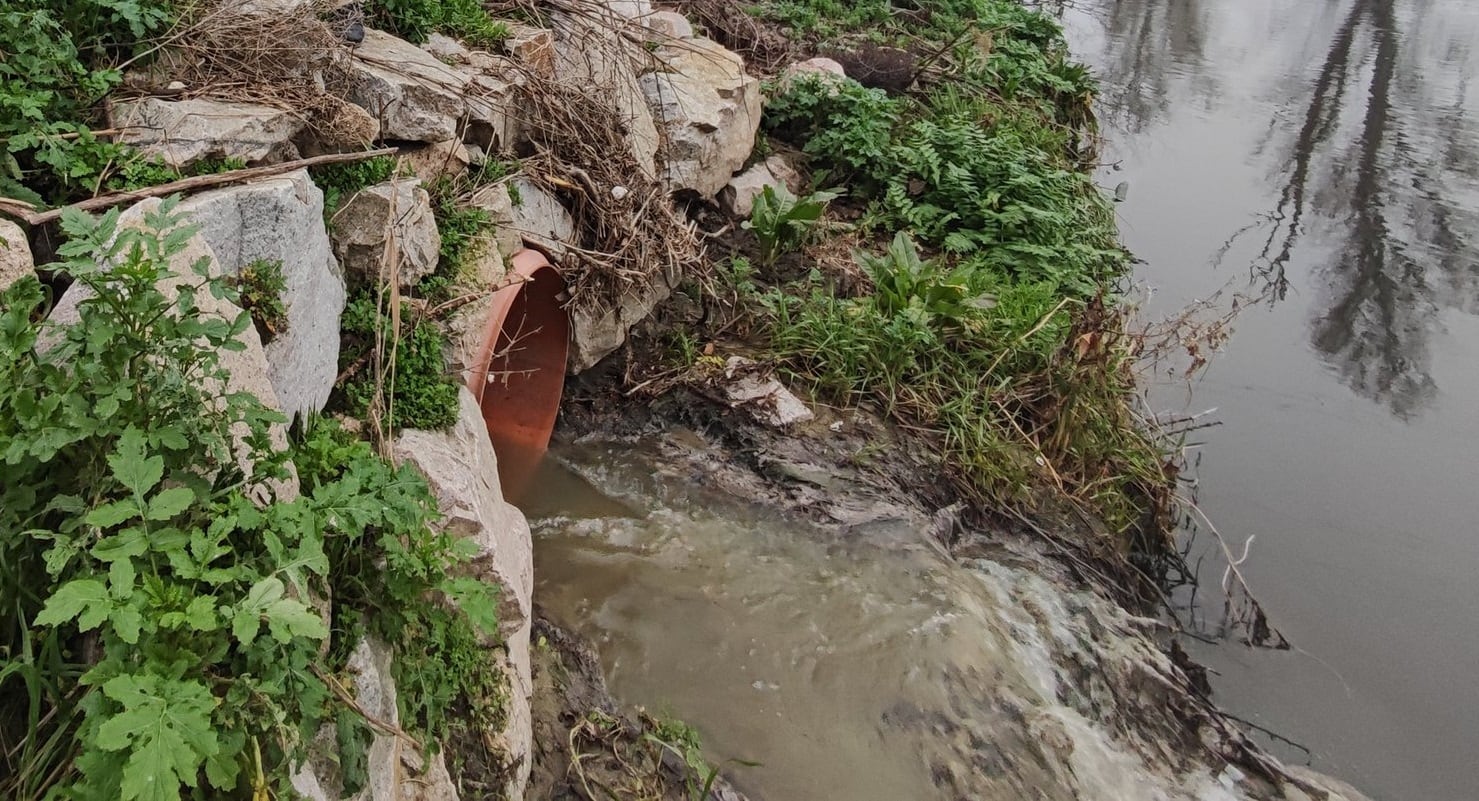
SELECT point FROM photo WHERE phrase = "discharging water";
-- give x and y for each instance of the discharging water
(1325, 155)
(867, 668)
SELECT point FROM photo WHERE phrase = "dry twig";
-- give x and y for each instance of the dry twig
(27, 213)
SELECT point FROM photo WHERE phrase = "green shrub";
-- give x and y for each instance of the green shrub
(414, 20)
(998, 338)
(260, 286)
(421, 391)
(440, 663)
(57, 60)
(990, 194)
(845, 126)
(782, 222)
(156, 635)
(992, 181)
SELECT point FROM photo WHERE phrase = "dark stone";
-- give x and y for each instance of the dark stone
(891, 69)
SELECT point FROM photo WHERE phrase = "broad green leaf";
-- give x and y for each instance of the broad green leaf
(245, 624)
(86, 600)
(131, 467)
(168, 540)
(223, 767)
(126, 622)
(263, 593)
(165, 728)
(476, 599)
(201, 613)
(111, 514)
(121, 575)
(172, 438)
(288, 618)
(170, 502)
(125, 544)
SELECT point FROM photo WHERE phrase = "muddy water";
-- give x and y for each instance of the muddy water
(1324, 155)
(865, 667)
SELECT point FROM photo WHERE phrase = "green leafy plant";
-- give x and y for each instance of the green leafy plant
(682, 741)
(782, 221)
(991, 323)
(157, 636)
(339, 181)
(260, 286)
(991, 194)
(384, 578)
(139, 172)
(465, 235)
(847, 127)
(906, 284)
(417, 19)
(57, 60)
(421, 392)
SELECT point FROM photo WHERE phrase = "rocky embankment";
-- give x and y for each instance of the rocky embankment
(681, 107)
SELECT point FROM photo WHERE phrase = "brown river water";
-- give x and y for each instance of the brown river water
(1319, 155)
(1327, 151)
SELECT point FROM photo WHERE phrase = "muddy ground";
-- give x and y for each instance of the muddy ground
(588, 748)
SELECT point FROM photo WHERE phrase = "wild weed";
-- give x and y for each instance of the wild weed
(259, 287)
(414, 20)
(782, 222)
(59, 60)
(157, 637)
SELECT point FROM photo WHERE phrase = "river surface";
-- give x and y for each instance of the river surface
(1324, 155)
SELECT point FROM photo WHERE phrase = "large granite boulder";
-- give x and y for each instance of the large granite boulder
(522, 210)
(388, 226)
(184, 132)
(596, 332)
(709, 110)
(669, 24)
(589, 54)
(738, 196)
(395, 769)
(281, 220)
(413, 95)
(461, 468)
(16, 261)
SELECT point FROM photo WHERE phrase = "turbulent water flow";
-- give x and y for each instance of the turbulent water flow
(1322, 156)
(869, 668)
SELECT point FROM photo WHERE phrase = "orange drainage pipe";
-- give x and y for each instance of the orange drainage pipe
(519, 374)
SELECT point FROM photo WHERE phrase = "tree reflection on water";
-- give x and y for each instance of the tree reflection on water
(1377, 189)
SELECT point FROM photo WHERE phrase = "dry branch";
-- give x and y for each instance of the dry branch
(628, 238)
(26, 212)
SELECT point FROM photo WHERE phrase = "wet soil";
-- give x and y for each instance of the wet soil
(588, 748)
